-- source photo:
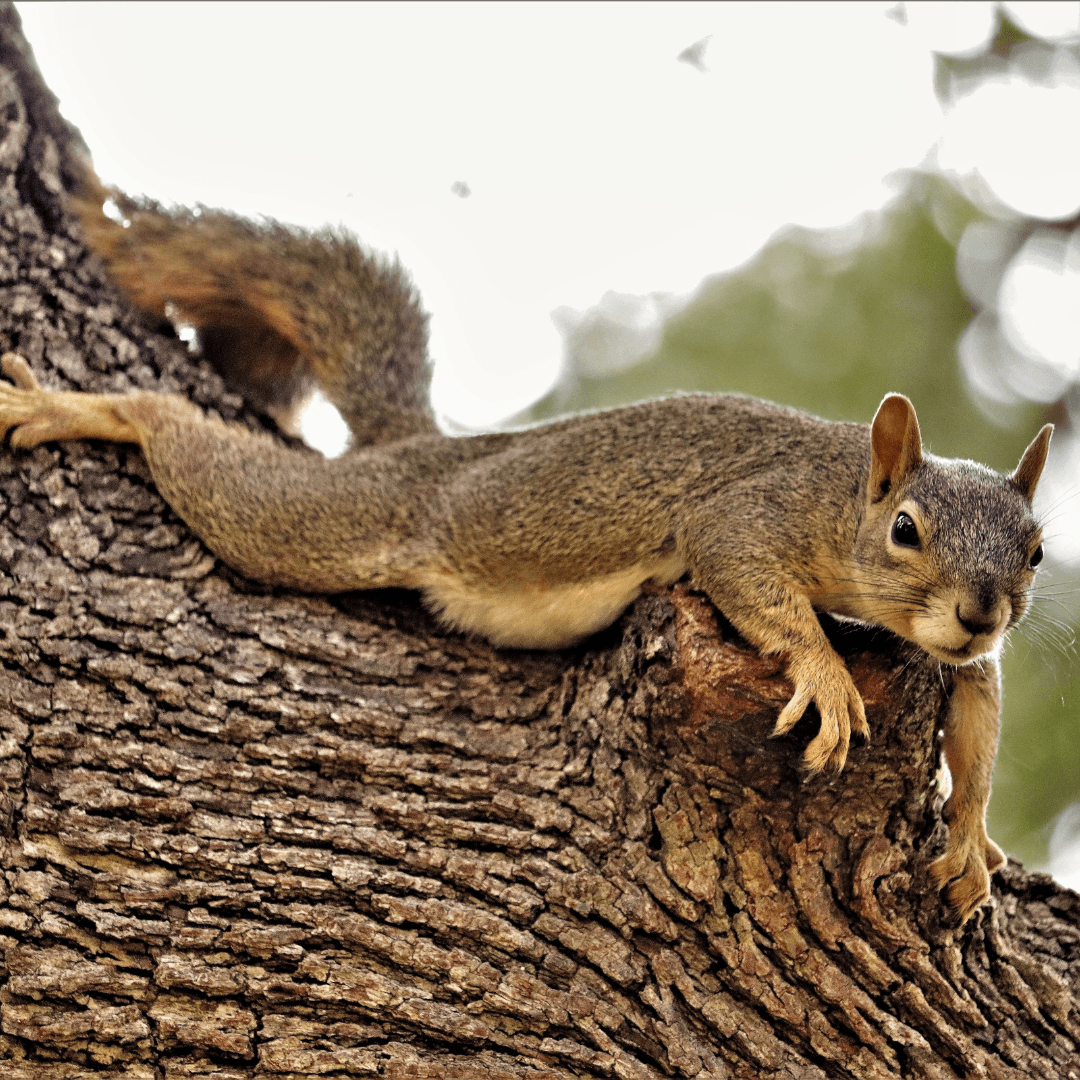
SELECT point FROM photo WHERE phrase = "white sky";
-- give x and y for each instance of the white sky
(596, 161)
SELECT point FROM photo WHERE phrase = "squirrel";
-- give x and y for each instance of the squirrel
(537, 538)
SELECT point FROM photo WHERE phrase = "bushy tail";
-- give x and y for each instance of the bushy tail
(276, 306)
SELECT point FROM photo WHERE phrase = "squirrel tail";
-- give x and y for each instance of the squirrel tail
(276, 308)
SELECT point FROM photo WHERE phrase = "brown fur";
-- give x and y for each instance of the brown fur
(540, 537)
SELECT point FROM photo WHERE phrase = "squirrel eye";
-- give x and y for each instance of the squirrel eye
(904, 532)
(1036, 557)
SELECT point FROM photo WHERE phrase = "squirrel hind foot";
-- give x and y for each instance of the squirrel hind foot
(31, 415)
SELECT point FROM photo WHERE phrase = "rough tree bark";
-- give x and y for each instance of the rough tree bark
(246, 831)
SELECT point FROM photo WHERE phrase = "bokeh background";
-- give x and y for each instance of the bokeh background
(816, 204)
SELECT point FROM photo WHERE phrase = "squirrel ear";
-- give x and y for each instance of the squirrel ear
(895, 445)
(1027, 473)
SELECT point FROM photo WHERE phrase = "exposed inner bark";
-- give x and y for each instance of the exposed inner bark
(245, 831)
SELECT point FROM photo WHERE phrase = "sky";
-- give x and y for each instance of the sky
(593, 158)
(525, 160)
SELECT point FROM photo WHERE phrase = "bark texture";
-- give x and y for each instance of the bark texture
(245, 832)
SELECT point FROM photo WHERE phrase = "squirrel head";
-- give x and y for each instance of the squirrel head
(946, 550)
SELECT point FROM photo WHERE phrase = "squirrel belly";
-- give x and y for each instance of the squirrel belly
(542, 615)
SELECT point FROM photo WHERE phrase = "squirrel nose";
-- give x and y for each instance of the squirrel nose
(976, 622)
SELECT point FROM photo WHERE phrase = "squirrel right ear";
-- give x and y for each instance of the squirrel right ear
(1027, 473)
(895, 445)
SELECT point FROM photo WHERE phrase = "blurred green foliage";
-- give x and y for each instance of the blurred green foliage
(829, 322)
(830, 331)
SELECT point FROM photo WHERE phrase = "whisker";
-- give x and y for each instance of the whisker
(1058, 503)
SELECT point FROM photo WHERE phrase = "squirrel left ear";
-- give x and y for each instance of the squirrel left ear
(895, 445)
(1027, 473)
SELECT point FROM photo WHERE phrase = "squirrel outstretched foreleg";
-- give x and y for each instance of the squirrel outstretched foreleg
(758, 592)
(970, 745)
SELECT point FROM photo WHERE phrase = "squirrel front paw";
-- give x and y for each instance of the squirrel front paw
(824, 680)
(965, 868)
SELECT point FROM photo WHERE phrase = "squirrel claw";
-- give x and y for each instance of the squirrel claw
(792, 712)
(964, 872)
(18, 371)
(840, 705)
(821, 757)
(995, 857)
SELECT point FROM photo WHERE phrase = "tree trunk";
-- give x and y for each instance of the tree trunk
(251, 832)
